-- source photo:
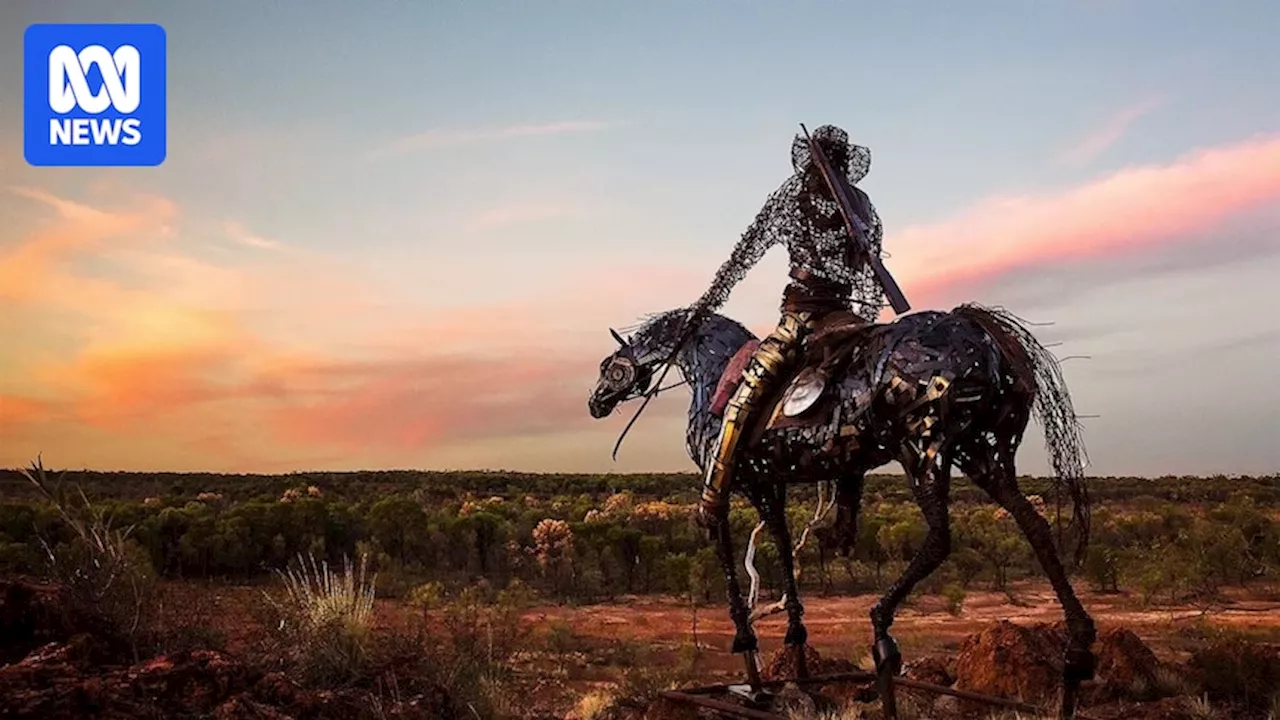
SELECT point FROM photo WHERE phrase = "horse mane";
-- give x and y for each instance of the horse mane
(648, 325)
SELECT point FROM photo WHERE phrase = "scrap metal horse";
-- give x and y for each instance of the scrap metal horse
(929, 390)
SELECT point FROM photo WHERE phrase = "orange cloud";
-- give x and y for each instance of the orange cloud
(1129, 210)
(157, 366)
(17, 411)
(428, 402)
(77, 228)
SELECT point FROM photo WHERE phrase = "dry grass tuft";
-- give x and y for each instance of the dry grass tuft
(326, 618)
(108, 576)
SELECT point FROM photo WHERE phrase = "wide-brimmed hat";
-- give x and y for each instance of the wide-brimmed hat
(854, 160)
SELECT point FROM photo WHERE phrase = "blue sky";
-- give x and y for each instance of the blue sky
(451, 160)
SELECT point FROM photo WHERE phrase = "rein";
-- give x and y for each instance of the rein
(648, 395)
(685, 333)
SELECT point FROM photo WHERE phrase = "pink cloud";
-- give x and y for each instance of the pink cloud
(1109, 133)
(242, 235)
(1130, 210)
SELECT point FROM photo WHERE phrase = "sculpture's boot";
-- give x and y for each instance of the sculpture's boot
(770, 360)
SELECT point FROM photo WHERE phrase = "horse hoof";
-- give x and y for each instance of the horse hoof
(745, 644)
(797, 636)
(1079, 665)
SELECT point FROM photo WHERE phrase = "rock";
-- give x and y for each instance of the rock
(51, 683)
(783, 665)
(1012, 661)
(68, 677)
(1127, 668)
(935, 669)
(198, 681)
(32, 616)
(1025, 663)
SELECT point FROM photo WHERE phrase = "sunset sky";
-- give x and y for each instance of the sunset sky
(393, 235)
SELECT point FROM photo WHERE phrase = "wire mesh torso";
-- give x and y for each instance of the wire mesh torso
(802, 216)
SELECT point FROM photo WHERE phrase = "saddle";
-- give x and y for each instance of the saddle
(799, 399)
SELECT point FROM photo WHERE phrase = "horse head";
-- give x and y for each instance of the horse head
(628, 372)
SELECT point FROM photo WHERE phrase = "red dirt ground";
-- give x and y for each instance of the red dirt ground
(838, 627)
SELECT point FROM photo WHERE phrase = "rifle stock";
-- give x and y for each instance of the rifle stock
(891, 290)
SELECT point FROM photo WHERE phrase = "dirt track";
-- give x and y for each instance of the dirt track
(841, 625)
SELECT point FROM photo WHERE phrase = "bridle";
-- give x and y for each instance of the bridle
(686, 331)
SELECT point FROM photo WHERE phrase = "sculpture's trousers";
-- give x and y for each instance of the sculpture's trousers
(776, 355)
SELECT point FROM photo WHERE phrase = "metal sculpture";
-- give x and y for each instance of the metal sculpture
(931, 390)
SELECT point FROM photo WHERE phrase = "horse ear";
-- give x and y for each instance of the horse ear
(616, 336)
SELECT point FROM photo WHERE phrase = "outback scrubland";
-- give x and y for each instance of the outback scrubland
(501, 594)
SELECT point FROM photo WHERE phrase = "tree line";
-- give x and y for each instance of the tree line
(588, 538)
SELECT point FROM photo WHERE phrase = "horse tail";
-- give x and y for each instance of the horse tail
(1037, 370)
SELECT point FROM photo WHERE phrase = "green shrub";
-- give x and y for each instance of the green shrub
(954, 594)
(1236, 670)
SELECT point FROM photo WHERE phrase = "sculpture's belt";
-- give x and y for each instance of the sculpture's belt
(812, 294)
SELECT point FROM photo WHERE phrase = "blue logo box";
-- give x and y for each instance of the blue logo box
(94, 95)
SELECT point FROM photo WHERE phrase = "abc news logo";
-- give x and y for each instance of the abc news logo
(69, 89)
(94, 95)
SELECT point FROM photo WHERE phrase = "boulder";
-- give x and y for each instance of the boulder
(1025, 663)
(783, 664)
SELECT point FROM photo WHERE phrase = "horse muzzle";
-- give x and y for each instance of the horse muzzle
(602, 402)
(598, 409)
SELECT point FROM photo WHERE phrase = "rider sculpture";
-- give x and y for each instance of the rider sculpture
(829, 273)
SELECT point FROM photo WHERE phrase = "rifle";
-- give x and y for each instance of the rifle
(840, 190)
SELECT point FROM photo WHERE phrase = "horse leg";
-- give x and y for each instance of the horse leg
(848, 505)
(1079, 662)
(797, 636)
(931, 486)
(744, 639)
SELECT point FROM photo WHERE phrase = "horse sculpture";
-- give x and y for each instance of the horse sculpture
(931, 390)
